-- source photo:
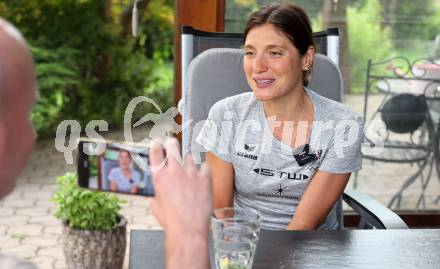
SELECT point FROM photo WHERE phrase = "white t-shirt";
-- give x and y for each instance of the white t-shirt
(124, 184)
(268, 177)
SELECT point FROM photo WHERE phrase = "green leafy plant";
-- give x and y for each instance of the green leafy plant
(85, 209)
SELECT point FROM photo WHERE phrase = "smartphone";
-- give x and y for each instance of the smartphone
(114, 167)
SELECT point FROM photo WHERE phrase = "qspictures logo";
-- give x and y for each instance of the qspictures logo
(68, 133)
(164, 125)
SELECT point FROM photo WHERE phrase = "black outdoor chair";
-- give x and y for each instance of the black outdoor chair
(405, 129)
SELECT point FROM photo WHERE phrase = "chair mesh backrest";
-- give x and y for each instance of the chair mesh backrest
(326, 78)
(202, 43)
(213, 75)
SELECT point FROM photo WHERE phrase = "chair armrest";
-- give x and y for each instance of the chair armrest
(372, 211)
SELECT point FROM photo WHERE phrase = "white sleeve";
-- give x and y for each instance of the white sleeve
(212, 137)
(344, 153)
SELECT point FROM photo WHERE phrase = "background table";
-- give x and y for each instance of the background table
(316, 249)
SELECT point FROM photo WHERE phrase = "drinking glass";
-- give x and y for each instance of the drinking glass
(235, 234)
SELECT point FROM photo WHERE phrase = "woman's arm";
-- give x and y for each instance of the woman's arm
(222, 180)
(136, 177)
(323, 191)
(113, 186)
(135, 189)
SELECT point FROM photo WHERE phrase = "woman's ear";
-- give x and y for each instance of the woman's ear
(307, 59)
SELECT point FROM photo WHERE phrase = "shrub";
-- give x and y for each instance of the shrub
(87, 68)
(85, 209)
(57, 73)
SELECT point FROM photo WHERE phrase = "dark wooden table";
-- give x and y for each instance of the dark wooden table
(317, 249)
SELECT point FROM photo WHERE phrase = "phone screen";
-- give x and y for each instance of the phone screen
(114, 167)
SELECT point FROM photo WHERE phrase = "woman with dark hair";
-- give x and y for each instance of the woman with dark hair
(124, 178)
(288, 153)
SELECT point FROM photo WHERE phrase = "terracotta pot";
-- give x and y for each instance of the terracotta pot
(85, 249)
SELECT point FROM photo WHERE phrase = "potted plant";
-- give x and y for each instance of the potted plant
(94, 233)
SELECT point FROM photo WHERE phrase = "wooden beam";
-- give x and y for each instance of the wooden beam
(221, 9)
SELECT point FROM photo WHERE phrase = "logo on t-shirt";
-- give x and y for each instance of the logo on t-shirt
(279, 192)
(280, 174)
(246, 155)
(249, 148)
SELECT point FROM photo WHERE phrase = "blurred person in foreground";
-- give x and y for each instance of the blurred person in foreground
(186, 228)
(182, 205)
(18, 93)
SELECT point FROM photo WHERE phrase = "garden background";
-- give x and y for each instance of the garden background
(89, 66)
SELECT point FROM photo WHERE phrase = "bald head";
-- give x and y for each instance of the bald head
(17, 97)
(12, 31)
(16, 65)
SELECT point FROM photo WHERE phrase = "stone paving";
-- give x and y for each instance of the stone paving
(29, 230)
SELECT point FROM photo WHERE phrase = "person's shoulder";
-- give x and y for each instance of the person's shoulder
(331, 109)
(235, 103)
(136, 173)
(115, 171)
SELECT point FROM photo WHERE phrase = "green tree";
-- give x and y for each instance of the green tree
(411, 20)
(433, 22)
(367, 40)
(56, 73)
(87, 68)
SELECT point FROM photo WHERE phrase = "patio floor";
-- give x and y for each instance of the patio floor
(29, 230)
